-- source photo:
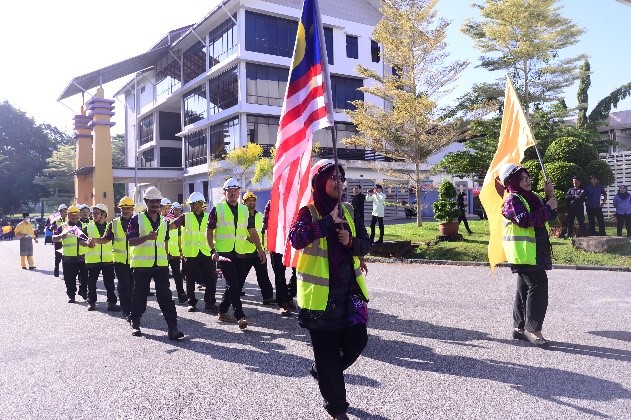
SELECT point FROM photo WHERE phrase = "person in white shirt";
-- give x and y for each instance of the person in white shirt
(378, 199)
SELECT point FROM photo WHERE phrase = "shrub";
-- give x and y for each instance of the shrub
(601, 169)
(571, 150)
(561, 173)
(445, 209)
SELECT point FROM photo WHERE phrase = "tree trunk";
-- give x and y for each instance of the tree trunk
(419, 198)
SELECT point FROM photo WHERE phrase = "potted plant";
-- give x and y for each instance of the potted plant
(445, 209)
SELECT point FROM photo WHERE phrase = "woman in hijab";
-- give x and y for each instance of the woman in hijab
(622, 203)
(332, 292)
(527, 246)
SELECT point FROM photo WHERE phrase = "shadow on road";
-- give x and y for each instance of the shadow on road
(616, 335)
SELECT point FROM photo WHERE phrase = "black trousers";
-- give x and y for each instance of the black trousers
(621, 221)
(463, 218)
(595, 214)
(57, 246)
(373, 223)
(108, 281)
(334, 351)
(201, 269)
(232, 292)
(142, 279)
(531, 300)
(579, 215)
(282, 291)
(174, 263)
(75, 269)
(262, 277)
(125, 286)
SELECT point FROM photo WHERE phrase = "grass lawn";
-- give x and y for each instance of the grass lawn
(474, 246)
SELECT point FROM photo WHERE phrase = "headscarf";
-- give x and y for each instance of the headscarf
(623, 196)
(323, 202)
(512, 185)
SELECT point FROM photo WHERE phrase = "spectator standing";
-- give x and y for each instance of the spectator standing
(463, 211)
(622, 203)
(358, 204)
(576, 210)
(26, 232)
(378, 199)
(595, 199)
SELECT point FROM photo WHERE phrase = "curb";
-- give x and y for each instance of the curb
(486, 264)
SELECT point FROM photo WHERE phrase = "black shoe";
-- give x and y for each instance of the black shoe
(182, 299)
(150, 294)
(112, 307)
(175, 334)
(269, 301)
(380, 241)
(537, 342)
(23, 268)
(242, 294)
(71, 299)
(56, 273)
(211, 307)
(32, 268)
(192, 308)
(135, 327)
(91, 306)
(313, 371)
(519, 335)
(84, 295)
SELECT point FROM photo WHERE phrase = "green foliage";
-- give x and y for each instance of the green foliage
(561, 173)
(582, 95)
(445, 209)
(603, 172)
(572, 150)
(244, 159)
(602, 109)
(58, 176)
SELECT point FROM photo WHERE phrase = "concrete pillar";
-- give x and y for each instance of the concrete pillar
(83, 157)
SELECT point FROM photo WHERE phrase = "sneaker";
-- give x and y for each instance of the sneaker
(182, 299)
(269, 301)
(135, 327)
(224, 317)
(211, 307)
(175, 334)
(91, 306)
(112, 307)
(192, 308)
(243, 323)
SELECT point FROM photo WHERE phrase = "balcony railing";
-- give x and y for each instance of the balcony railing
(342, 153)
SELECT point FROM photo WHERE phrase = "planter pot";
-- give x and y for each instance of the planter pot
(448, 229)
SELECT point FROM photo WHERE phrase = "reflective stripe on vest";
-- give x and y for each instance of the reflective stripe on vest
(313, 268)
(258, 224)
(520, 244)
(120, 246)
(226, 236)
(100, 252)
(194, 235)
(173, 248)
(149, 253)
(70, 246)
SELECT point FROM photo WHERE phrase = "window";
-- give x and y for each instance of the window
(222, 41)
(205, 190)
(374, 51)
(262, 130)
(195, 149)
(170, 157)
(191, 189)
(270, 34)
(266, 85)
(169, 125)
(168, 80)
(142, 90)
(147, 159)
(352, 50)
(345, 90)
(328, 41)
(224, 91)
(146, 130)
(223, 138)
(195, 105)
(194, 61)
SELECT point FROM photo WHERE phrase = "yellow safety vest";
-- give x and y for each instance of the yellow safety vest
(227, 237)
(70, 246)
(194, 238)
(520, 244)
(149, 253)
(101, 253)
(258, 224)
(173, 248)
(313, 269)
(120, 246)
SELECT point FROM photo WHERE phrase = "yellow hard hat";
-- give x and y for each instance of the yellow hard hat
(126, 202)
(247, 195)
(73, 209)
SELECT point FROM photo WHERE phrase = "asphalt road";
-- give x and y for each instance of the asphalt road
(439, 348)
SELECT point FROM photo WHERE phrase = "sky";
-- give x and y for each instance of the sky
(45, 44)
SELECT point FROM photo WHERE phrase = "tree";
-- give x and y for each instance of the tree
(582, 95)
(602, 109)
(525, 38)
(243, 161)
(412, 127)
(58, 177)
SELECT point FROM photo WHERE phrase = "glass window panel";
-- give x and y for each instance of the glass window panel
(328, 40)
(352, 50)
(270, 34)
(374, 51)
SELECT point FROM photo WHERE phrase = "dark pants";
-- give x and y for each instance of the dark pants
(373, 223)
(262, 278)
(579, 215)
(232, 293)
(334, 351)
(201, 269)
(623, 220)
(282, 291)
(463, 218)
(293, 283)
(142, 279)
(595, 214)
(57, 246)
(74, 269)
(108, 281)
(125, 286)
(531, 300)
(174, 263)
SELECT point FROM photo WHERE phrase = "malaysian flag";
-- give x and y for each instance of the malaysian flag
(307, 108)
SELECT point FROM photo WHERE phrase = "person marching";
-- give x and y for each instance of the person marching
(229, 229)
(84, 214)
(99, 259)
(174, 252)
(25, 231)
(332, 292)
(63, 213)
(200, 268)
(73, 254)
(146, 234)
(165, 207)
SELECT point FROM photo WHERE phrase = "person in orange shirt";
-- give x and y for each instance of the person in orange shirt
(26, 232)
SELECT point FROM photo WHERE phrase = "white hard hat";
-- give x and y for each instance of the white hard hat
(176, 205)
(195, 197)
(165, 202)
(231, 184)
(140, 207)
(102, 207)
(62, 207)
(319, 167)
(152, 193)
(506, 170)
(83, 206)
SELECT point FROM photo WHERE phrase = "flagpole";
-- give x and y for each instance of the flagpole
(340, 213)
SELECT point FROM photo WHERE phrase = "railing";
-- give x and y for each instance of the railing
(342, 153)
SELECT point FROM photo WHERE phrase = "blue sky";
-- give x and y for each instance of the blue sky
(45, 44)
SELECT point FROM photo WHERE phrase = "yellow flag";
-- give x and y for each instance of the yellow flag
(515, 138)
